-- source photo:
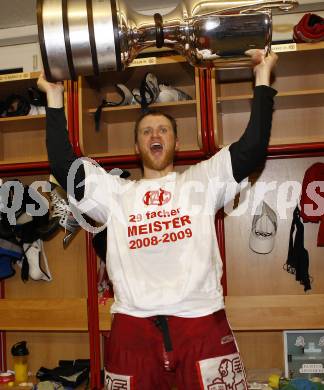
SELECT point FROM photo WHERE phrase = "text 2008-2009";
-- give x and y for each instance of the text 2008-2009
(155, 240)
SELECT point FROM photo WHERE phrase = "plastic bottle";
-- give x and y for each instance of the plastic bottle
(20, 354)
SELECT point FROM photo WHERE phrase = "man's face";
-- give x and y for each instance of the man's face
(156, 142)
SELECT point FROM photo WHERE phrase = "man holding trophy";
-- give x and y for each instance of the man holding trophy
(169, 322)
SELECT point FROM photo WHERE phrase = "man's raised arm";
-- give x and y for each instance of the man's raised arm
(59, 149)
(250, 150)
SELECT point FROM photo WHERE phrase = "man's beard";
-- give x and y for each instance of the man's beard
(150, 162)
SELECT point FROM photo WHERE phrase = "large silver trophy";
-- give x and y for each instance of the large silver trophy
(87, 37)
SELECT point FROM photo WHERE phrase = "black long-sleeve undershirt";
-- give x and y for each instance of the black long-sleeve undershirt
(60, 152)
(246, 154)
(251, 149)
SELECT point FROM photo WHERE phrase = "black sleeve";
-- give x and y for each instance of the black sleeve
(60, 152)
(251, 149)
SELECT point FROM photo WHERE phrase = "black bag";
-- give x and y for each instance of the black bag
(298, 259)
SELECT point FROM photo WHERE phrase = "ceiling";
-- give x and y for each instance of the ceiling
(18, 13)
(15, 13)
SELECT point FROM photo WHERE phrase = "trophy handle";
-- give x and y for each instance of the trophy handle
(252, 7)
(159, 30)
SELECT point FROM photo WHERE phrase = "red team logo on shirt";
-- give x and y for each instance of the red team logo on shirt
(157, 198)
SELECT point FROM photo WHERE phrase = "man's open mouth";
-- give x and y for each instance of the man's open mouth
(156, 147)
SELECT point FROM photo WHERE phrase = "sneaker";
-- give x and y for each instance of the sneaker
(152, 86)
(127, 98)
(61, 211)
(149, 90)
(137, 95)
(171, 94)
(34, 254)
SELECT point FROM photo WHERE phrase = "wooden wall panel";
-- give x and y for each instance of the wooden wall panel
(275, 312)
(44, 314)
(249, 273)
(263, 350)
(289, 126)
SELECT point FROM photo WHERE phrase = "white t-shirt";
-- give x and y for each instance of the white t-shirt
(162, 251)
